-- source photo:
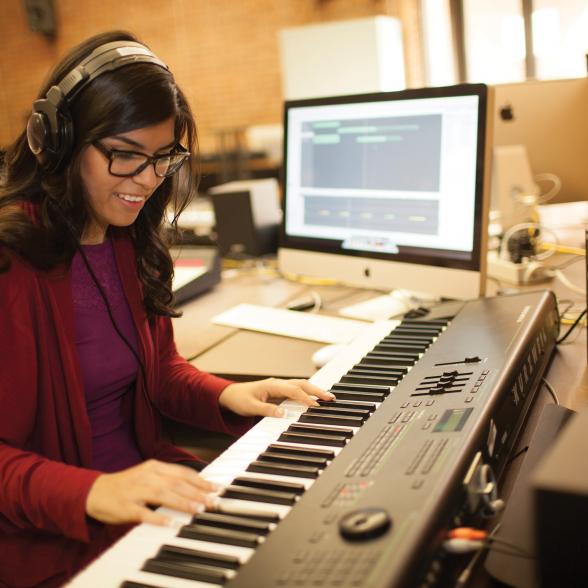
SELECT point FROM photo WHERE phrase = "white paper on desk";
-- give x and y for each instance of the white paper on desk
(290, 323)
(567, 220)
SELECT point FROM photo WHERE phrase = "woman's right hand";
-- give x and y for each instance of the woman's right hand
(122, 497)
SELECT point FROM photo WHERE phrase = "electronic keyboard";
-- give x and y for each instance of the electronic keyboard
(360, 492)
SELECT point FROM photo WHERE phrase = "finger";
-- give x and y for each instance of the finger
(171, 499)
(184, 473)
(266, 409)
(295, 392)
(315, 390)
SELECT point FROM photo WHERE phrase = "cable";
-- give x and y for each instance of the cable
(551, 391)
(509, 233)
(553, 192)
(109, 311)
(572, 327)
(71, 229)
(566, 282)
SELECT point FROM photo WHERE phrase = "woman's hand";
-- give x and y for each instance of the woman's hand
(251, 398)
(122, 497)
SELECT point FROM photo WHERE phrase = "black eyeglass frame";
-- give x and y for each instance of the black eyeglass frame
(149, 159)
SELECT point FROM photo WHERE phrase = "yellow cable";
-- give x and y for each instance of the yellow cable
(563, 249)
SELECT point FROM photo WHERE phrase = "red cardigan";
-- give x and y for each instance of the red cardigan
(45, 440)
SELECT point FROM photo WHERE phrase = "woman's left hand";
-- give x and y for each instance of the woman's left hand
(251, 398)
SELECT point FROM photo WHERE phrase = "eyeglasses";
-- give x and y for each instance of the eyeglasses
(125, 164)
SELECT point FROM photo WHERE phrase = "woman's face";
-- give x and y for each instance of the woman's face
(114, 200)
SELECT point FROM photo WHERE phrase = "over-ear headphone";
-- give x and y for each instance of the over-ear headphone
(50, 131)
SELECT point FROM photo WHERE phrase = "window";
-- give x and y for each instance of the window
(497, 41)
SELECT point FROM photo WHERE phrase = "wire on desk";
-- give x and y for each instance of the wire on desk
(551, 391)
(574, 325)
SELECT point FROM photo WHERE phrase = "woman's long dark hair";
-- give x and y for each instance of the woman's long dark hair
(42, 216)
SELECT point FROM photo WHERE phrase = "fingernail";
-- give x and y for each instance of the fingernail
(331, 396)
(279, 412)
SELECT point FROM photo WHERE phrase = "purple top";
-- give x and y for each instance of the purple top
(109, 369)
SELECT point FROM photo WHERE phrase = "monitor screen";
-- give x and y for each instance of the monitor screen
(380, 187)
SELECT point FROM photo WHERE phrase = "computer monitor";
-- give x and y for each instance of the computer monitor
(389, 190)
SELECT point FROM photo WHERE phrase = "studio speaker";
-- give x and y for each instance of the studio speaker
(247, 215)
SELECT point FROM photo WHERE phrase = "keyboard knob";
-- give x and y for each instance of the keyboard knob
(364, 524)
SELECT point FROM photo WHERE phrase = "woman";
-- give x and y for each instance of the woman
(87, 359)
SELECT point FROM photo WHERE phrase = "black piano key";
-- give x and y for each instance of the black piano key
(385, 390)
(414, 347)
(321, 430)
(399, 372)
(189, 571)
(259, 495)
(313, 439)
(359, 395)
(279, 469)
(389, 376)
(419, 330)
(325, 419)
(219, 560)
(129, 584)
(303, 460)
(223, 521)
(353, 412)
(389, 360)
(224, 536)
(408, 338)
(369, 406)
(276, 485)
(293, 450)
(359, 379)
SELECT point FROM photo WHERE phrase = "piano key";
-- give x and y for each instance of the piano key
(323, 419)
(369, 406)
(259, 495)
(214, 535)
(275, 485)
(299, 471)
(359, 395)
(390, 377)
(321, 430)
(224, 521)
(303, 460)
(293, 450)
(351, 379)
(353, 412)
(367, 364)
(349, 387)
(313, 438)
(243, 510)
(187, 570)
(220, 560)
(416, 347)
(335, 431)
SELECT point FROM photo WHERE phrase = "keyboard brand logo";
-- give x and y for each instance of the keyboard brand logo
(523, 314)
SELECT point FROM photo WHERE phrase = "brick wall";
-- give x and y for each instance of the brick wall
(224, 53)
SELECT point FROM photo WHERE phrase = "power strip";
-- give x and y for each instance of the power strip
(516, 273)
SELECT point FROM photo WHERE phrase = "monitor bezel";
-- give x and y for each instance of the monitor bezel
(453, 260)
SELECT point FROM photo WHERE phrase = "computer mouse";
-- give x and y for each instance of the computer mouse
(323, 355)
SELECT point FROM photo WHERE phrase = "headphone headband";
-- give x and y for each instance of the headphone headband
(50, 132)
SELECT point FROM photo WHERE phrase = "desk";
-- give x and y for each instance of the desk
(248, 355)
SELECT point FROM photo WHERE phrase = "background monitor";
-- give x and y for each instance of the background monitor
(389, 190)
(550, 118)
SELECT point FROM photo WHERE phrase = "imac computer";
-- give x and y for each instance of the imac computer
(389, 190)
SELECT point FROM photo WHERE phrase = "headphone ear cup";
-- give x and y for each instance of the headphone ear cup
(50, 131)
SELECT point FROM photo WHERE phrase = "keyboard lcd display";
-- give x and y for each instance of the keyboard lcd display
(453, 420)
